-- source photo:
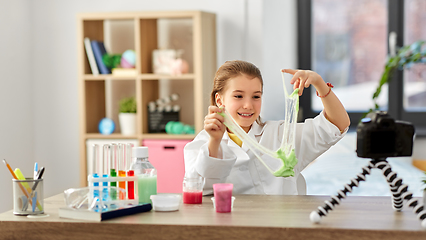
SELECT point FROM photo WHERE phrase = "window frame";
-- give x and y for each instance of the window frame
(396, 84)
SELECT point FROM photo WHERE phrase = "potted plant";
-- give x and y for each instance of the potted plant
(405, 58)
(127, 116)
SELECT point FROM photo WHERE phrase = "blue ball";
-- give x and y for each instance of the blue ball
(106, 126)
(128, 58)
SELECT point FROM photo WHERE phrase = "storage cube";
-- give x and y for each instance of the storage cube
(167, 157)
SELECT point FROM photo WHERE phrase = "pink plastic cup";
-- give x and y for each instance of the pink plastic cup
(223, 196)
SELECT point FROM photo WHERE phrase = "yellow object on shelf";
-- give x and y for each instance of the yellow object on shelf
(125, 72)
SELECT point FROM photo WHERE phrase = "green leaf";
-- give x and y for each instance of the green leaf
(111, 60)
(128, 105)
(405, 57)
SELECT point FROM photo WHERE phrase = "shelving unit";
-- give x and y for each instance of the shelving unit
(192, 31)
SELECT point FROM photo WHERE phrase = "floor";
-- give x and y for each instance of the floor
(339, 164)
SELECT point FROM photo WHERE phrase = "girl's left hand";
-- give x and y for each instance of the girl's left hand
(304, 78)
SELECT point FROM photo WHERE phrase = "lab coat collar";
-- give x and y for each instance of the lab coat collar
(255, 131)
(241, 153)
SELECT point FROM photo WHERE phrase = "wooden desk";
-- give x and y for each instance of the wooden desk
(253, 217)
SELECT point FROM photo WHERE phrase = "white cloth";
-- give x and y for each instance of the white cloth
(239, 165)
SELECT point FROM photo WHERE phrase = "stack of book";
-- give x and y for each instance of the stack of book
(95, 50)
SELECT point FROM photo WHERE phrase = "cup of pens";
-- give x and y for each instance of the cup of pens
(27, 192)
(28, 196)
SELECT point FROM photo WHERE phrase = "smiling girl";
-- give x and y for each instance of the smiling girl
(218, 155)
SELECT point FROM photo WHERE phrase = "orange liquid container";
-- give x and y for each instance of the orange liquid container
(122, 184)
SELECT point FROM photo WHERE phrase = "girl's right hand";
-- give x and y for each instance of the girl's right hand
(213, 124)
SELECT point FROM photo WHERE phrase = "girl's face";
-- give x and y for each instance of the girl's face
(242, 98)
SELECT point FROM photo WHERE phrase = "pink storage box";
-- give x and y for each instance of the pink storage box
(167, 157)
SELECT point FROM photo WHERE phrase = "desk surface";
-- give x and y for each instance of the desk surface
(253, 217)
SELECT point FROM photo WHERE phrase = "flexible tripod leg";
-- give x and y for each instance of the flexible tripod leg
(400, 192)
(395, 183)
(335, 200)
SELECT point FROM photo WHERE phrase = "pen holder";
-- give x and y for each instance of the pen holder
(28, 196)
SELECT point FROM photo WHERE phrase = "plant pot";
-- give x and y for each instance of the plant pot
(127, 123)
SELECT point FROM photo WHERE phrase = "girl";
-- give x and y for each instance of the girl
(219, 156)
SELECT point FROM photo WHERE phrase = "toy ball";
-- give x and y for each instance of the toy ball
(106, 126)
(128, 59)
(187, 129)
(173, 127)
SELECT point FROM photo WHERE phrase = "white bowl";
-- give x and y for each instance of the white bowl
(165, 202)
(232, 202)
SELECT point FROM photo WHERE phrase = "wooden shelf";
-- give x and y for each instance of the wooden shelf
(111, 136)
(192, 31)
(163, 76)
(146, 76)
(141, 136)
(167, 136)
(101, 77)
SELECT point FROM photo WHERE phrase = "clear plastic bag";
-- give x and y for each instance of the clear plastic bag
(94, 198)
(285, 156)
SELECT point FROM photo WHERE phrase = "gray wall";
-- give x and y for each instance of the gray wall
(38, 66)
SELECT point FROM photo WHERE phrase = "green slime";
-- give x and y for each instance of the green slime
(288, 160)
(294, 94)
(288, 164)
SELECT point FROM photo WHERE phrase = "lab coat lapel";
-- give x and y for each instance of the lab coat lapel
(255, 132)
(239, 152)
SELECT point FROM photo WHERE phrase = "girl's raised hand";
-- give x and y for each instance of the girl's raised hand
(304, 78)
(333, 108)
(213, 123)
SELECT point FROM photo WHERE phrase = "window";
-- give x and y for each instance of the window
(346, 42)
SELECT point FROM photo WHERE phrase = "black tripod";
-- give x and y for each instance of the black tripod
(399, 192)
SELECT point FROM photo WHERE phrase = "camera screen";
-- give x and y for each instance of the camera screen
(382, 142)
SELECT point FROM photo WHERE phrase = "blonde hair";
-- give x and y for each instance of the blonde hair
(231, 69)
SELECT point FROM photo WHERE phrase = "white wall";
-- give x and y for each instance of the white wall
(38, 70)
(16, 94)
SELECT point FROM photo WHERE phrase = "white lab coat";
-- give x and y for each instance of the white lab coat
(239, 166)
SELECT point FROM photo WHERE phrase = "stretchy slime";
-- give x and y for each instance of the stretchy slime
(285, 154)
(288, 164)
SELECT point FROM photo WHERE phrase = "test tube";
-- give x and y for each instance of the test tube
(105, 171)
(95, 162)
(113, 168)
(129, 147)
(131, 185)
(121, 170)
(130, 173)
(95, 172)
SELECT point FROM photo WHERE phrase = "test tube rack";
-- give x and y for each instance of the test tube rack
(108, 201)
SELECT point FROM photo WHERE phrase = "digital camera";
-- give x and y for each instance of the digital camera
(380, 136)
